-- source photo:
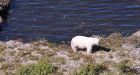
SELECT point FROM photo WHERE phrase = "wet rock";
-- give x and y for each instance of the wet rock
(4, 8)
(4, 2)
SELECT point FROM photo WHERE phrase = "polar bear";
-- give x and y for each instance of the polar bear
(83, 42)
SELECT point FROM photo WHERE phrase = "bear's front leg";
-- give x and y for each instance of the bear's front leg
(74, 48)
(89, 49)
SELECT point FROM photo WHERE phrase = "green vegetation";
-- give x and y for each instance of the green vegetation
(34, 58)
(59, 60)
(37, 69)
(2, 47)
(125, 67)
(91, 69)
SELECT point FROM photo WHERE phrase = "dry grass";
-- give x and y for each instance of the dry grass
(44, 51)
(2, 49)
(114, 41)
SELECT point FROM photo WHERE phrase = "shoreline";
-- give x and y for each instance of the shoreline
(123, 57)
(117, 55)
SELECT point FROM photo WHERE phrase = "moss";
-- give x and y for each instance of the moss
(125, 67)
(109, 63)
(24, 52)
(37, 48)
(4, 66)
(2, 47)
(91, 69)
(40, 42)
(108, 73)
(8, 67)
(33, 57)
(59, 47)
(58, 60)
(75, 55)
(52, 45)
(44, 51)
(2, 59)
(88, 58)
(49, 53)
(78, 55)
(41, 68)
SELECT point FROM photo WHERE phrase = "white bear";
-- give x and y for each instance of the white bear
(83, 42)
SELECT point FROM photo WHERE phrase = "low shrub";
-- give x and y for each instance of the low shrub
(125, 68)
(91, 69)
(37, 69)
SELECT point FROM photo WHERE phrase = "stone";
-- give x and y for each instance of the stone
(2, 72)
(0, 65)
(137, 68)
(137, 34)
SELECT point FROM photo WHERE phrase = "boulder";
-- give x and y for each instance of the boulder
(136, 34)
(4, 8)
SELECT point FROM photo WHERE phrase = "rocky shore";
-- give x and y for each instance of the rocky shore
(4, 8)
(116, 55)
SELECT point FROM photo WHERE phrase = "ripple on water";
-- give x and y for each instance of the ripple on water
(59, 20)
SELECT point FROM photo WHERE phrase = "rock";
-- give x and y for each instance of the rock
(4, 2)
(44, 47)
(70, 65)
(136, 53)
(137, 68)
(128, 46)
(29, 62)
(9, 59)
(4, 8)
(0, 65)
(136, 34)
(2, 72)
(34, 53)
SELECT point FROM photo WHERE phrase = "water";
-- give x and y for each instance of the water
(60, 20)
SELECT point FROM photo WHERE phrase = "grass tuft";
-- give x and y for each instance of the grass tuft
(91, 69)
(41, 68)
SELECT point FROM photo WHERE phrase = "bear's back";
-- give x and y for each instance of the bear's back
(79, 40)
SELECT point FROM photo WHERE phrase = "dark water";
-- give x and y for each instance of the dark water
(59, 20)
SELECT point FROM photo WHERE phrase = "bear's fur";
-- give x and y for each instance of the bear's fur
(83, 42)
